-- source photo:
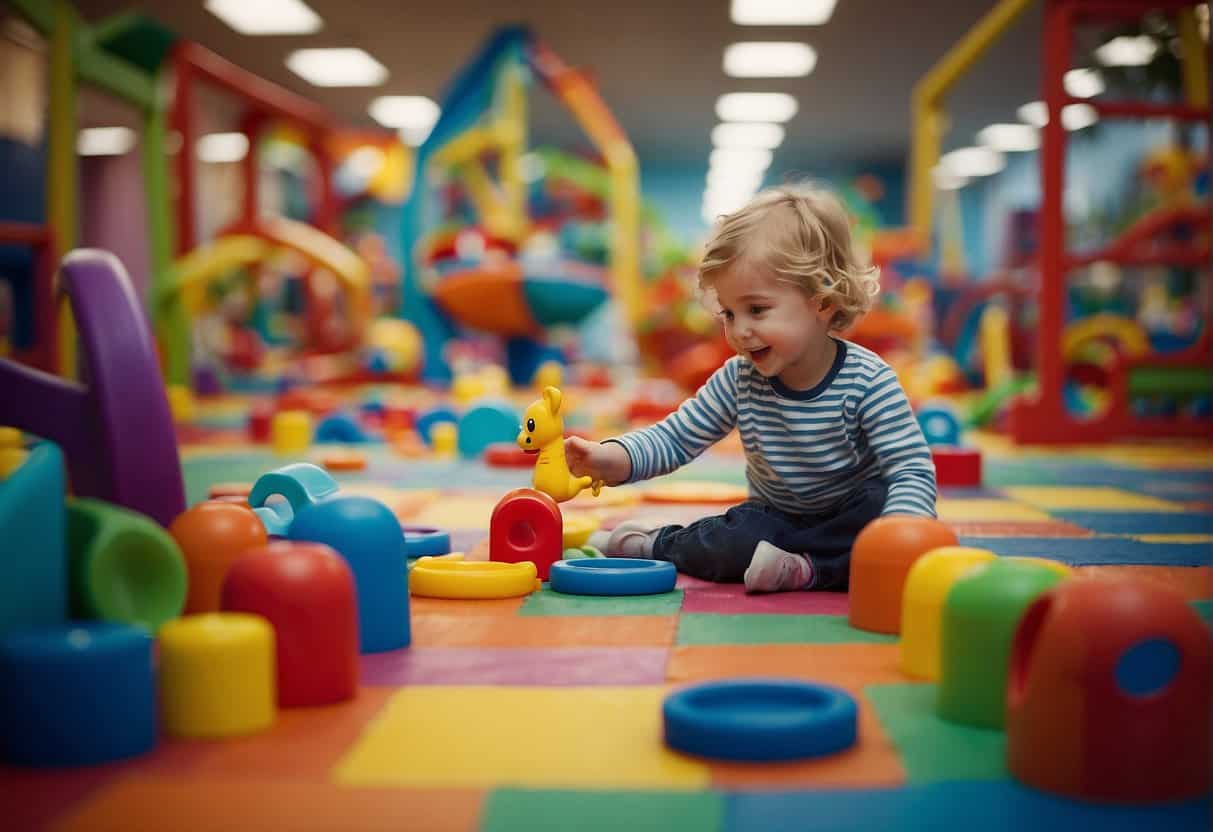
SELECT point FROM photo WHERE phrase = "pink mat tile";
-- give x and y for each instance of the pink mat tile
(732, 599)
(557, 666)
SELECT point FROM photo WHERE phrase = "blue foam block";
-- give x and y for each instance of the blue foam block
(485, 425)
(33, 557)
(367, 534)
(76, 694)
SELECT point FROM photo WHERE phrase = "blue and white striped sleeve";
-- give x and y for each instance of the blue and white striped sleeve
(699, 422)
(893, 434)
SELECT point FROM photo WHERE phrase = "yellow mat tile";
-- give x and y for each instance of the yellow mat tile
(1007, 511)
(1173, 538)
(471, 737)
(1091, 499)
(455, 512)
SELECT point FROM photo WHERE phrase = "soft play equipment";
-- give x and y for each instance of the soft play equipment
(487, 282)
(33, 568)
(116, 431)
(927, 585)
(217, 675)
(979, 618)
(759, 719)
(213, 535)
(247, 245)
(478, 580)
(526, 525)
(613, 576)
(123, 566)
(76, 694)
(881, 559)
(1108, 696)
(306, 592)
(369, 537)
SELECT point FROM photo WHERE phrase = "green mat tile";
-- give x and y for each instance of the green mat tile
(518, 810)
(201, 472)
(1204, 609)
(712, 628)
(548, 602)
(933, 749)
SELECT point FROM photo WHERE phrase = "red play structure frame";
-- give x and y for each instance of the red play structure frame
(1045, 418)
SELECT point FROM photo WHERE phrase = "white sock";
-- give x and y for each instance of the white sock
(630, 539)
(774, 570)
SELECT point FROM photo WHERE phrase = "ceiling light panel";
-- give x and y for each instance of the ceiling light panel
(781, 12)
(341, 67)
(774, 59)
(266, 17)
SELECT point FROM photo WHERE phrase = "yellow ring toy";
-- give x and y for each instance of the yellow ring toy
(577, 530)
(432, 578)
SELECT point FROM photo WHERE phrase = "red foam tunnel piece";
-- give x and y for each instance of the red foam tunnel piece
(1108, 695)
(527, 525)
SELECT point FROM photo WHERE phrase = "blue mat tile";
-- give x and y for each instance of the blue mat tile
(1081, 551)
(1138, 522)
(989, 807)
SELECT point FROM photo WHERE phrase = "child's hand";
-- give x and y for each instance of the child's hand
(609, 462)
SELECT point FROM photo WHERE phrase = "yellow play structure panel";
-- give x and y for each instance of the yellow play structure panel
(485, 737)
(435, 578)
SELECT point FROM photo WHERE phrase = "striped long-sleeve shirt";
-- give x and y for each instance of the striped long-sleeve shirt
(806, 450)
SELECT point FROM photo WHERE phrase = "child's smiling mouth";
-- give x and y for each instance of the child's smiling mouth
(759, 354)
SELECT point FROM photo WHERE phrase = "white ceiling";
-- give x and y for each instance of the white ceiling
(658, 64)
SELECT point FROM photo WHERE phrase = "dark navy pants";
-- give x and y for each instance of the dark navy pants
(719, 548)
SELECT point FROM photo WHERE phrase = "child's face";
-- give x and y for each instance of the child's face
(775, 324)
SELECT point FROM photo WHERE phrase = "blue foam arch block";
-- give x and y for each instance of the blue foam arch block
(33, 559)
(486, 425)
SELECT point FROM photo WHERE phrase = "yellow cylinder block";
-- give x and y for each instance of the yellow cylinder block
(444, 439)
(12, 451)
(291, 432)
(217, 675)
(926, 589)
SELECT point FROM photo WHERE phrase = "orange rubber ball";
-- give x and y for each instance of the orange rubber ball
(880, 561)
(212, 536)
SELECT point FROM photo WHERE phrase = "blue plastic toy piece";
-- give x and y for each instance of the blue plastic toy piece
(422, 541)
(301, 483)
(33, 557)
(78, 693)
(759, 719)
(486, 425)
(426, 421)
(367, 534)
(613, 576)
(343, 428)
(940, 425)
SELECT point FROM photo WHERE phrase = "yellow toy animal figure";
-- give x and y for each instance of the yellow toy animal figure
(543, 433)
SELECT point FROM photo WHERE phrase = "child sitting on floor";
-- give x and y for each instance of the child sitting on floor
(829, 437)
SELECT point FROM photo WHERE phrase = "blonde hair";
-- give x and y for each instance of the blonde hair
(802, 234)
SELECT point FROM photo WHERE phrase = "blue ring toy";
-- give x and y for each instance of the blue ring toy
(613, 576)
(422, 541)
(759, 720)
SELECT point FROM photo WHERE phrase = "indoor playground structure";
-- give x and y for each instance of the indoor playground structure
(496, 269)
(291, 538)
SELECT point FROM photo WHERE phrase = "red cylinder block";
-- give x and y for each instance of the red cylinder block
(1108, 694)
(527, 525)
(306, 591)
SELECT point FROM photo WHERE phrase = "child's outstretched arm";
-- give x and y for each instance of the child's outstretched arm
(699, 422)
(607, 462)
(893, 433)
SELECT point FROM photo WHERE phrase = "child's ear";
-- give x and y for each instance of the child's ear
(825, 311)
(552, 396)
